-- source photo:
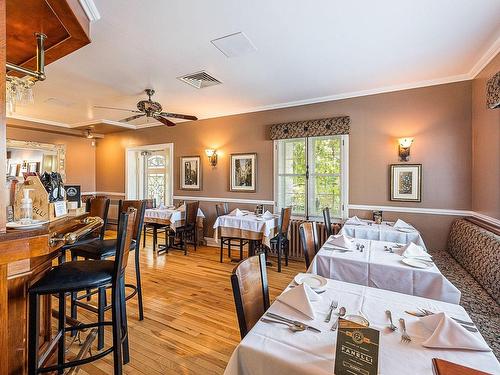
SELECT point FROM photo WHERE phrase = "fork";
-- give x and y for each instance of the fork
(405, 337)
(333, 306)
(392, 327)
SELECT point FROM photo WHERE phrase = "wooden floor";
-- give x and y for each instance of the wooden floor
(190, 324)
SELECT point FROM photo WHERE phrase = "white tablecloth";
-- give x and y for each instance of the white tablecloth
(174, 216)
(249, 222)
(382, 232)
(380, 269)
(274, 349)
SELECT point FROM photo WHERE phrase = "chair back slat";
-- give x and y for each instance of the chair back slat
(308, 239)
(124, 239)
(221, 209)
(286, 215)
(99, 206)
(191, 212)
(140, 206)
(250, 291)
(328, 221)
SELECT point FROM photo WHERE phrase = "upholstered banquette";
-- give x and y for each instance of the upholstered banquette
(472, 263)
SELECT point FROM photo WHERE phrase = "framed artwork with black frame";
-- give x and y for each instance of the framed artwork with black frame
(190, 173)
(243, 172)
(406, 182)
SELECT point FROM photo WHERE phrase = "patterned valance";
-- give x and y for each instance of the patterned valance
(493, 91)
(311, 128)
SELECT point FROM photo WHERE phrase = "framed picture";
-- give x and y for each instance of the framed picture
(243, 172)
(406, 182)
(190, 173)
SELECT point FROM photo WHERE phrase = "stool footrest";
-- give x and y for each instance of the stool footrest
(77, 362)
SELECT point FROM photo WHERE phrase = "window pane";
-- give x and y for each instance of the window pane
(292, 156)
(325, 192)
(293, 194)
(156, 161)
(326, 155)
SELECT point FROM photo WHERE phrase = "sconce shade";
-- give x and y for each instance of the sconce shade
(405, 142)
(212, 156)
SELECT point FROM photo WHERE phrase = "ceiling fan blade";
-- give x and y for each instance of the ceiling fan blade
(118, 109)
(178, 115)
(132, 117)
(164, 120)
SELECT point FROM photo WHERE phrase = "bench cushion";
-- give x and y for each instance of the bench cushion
(482, 308)
(477, 250)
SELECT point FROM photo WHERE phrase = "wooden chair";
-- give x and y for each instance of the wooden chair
(152, 228)
(327, 221)
(309, 240)
(280, 243)
(186, 233)
(223, 209)
(250, 291)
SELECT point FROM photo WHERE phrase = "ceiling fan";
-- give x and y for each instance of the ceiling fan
(152, 109)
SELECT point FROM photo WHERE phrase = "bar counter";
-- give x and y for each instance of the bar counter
(25, 256)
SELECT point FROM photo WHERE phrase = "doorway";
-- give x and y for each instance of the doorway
(149, 173)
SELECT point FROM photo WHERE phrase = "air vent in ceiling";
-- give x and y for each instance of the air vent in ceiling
(200, 80)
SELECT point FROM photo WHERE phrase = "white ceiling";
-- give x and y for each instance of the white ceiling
(307, 51)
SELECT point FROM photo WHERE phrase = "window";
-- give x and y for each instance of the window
(311, 174)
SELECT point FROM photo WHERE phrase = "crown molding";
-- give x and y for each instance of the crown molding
(102, 121)
(90, 10)
(485, 59)
(37, 120)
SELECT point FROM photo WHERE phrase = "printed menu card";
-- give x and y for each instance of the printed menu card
(357, 349)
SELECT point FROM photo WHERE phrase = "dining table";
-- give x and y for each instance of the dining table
(273, 348)
(256, 228)
(385, 231)
(380, 264)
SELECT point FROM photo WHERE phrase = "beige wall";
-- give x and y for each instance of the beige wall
(486, 146)
(439, 118)
(80, 154)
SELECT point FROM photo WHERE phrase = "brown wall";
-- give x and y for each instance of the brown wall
(80, 154)
(439, 118)
(486, 146)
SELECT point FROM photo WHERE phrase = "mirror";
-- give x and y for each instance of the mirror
(26, 156)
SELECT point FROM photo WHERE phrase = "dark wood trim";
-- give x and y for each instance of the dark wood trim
(484, 224)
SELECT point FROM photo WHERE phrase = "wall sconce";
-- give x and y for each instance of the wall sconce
(404, 148)
(212, 157)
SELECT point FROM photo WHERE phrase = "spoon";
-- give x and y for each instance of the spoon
(342, 312)
(291, 327)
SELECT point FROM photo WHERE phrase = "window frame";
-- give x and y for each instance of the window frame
(344, 177)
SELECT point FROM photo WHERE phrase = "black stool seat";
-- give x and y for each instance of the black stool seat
(75, 276)
(97, 249)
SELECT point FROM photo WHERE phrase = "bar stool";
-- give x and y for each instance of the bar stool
(102, 249)
(98, 206)
(72, 277)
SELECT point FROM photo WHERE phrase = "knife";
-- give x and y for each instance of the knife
(279, 317)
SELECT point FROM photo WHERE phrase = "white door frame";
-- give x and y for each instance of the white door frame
(155, 147)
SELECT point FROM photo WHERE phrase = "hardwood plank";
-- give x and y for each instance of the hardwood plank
(190, 324)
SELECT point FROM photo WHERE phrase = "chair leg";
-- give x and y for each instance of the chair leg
(117, 337)
(241, 250)
(74, 309)
(33, 334)
(61, 347)
(144, 236)
(155, 237)
(229, 249)
(195, 238)
(279, 253)
(221, 248)
(184, 242)
(285, 249)
(138, 285)
(101, 303)
(123, 319)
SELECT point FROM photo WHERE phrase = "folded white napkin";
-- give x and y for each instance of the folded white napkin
(340, 240)
(402, 224)
(236, 212)
(182, 207)
(449, 334)
(415, 251)
(267, 215)
(355, 221)
(300, 298)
